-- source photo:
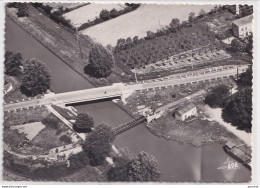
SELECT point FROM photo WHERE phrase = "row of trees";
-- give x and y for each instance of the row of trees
(55, 15)
(136, 53)
(236, 108)
(35, 75)
(107, 15)
(174, 26)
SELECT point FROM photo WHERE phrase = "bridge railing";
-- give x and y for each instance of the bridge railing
(130, 124)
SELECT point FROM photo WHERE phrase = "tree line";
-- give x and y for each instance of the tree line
(105, 15)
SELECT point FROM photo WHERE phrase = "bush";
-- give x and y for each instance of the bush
(238, 46)
(12, 63)
(51, 121)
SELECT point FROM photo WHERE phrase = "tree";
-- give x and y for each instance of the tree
(237, 45)
(113, 13)
(143, 167)
(23, 10)
(202, 13)
(100, 61)
(175, 23)
(249, 46)
(12, 63)
(238, 111)
(245, 78)
(35, 78)
(84, 123)
(118, 172)
(99, 143)
(104, 14)
(191, 17)
(218, 96)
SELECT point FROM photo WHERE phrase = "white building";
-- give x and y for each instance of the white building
(242, 27)
(186, 112)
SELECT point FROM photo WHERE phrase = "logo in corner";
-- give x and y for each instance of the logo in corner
(229, 165)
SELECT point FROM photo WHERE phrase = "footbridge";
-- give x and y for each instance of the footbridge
(119, 89)
(130, 124)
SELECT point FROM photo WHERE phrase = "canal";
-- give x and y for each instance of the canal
(177, 162)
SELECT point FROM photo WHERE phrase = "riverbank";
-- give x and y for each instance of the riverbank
(197, 131)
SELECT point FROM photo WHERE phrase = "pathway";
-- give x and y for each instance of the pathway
(65, 121)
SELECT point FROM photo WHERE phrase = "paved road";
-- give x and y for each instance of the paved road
(116, 90)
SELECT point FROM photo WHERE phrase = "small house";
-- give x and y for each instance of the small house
(242, 27)
(186, 112)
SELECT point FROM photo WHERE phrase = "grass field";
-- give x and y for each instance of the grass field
(29, 129)
(25, 116)
(89, 13)
(148, 17)
(49, 137)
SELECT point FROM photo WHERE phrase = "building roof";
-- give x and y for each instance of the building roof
(244, 20)
(185, 109)
(230, 144)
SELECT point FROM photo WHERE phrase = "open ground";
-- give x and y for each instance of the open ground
(148, 17)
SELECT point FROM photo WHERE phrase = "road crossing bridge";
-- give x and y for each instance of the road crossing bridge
(119, 89)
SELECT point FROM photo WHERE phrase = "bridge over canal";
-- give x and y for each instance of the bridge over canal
(119, 89)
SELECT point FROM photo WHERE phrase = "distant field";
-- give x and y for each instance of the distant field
(147, 17)
(55, 6)
(89, 13)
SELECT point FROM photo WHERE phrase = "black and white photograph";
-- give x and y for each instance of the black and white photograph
(128, 92)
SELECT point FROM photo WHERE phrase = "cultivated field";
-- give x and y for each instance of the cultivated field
(147, 17)
(184, 59)
(89, 13)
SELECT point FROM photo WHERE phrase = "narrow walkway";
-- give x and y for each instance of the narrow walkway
(165, 107)
(52, 110)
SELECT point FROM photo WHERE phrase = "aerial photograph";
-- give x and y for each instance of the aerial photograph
(127, 92)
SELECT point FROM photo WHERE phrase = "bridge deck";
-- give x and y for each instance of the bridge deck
(116, 90)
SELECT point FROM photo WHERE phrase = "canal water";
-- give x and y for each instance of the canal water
(177, 162)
